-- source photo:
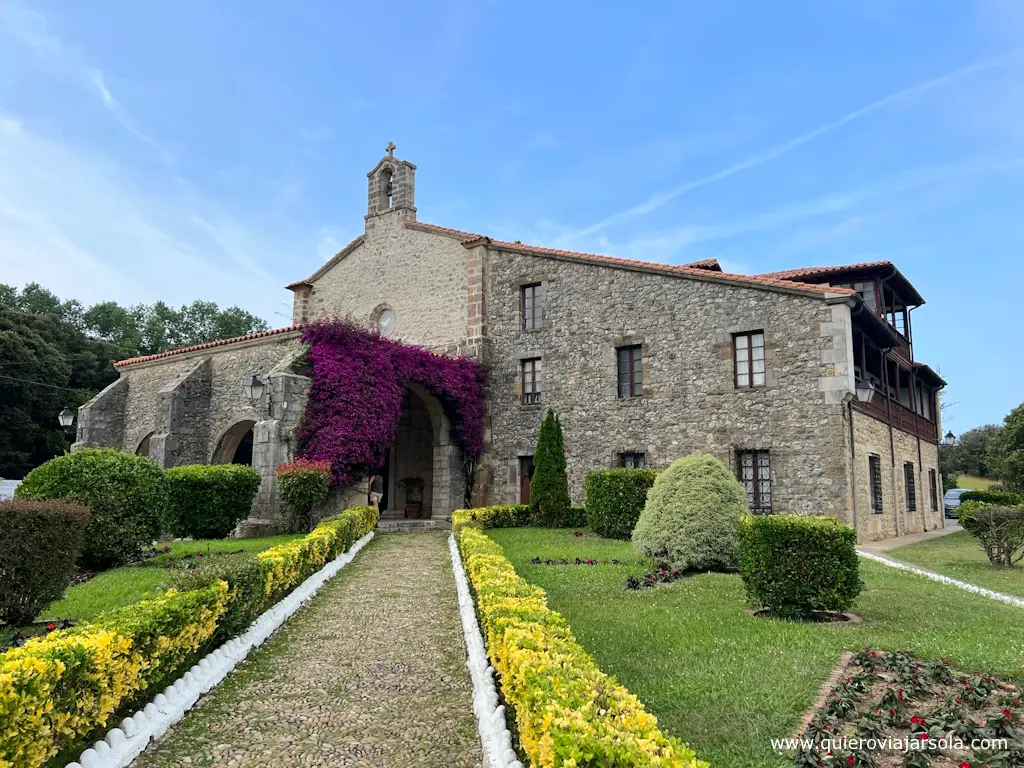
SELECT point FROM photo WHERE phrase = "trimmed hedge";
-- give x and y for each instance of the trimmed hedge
(512, 516)
(795, 566)
(615, 498)
(126, 494)
(1005, 498)
(691, 515)
(567, 711)
(39, 546)
(61, 687)
(206, 501)
(58, 689)
(246, 582)
(999, 530)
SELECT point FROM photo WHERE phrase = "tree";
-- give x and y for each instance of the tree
(1006, 451)
(55, 354)
(970, 454)
(549, 489)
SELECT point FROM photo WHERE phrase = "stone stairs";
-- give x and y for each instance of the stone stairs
(388, 524)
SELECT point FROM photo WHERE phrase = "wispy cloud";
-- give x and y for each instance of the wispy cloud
(661, 198)
(32, 29)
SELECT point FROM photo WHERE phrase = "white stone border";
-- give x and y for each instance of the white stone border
(490, 715)
(123, 744)
(1009, 599)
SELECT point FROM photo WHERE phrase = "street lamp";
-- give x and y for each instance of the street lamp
(949, 439)
(865, 391)
(254, 390)
(66, 418)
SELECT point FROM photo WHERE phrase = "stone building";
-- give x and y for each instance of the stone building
(803, 381)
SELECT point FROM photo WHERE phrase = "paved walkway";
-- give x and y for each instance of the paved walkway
(371, 673)
(901, 541)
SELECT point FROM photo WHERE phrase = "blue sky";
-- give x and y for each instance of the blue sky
(218, 150)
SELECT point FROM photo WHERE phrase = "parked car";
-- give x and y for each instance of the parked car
(951, 501)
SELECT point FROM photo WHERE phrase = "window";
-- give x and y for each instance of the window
(531, 381)
(748, 354)
(631, 370)
(908, 476)
(867, 292)
(531, 302)
(633, 460)
(754, 470)
(875, 478)
(933, 489)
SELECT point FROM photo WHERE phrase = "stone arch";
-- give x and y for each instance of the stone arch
(143, 448)
(446, 474)
(386, 188)
(234, 444)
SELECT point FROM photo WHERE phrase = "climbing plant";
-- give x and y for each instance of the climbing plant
(358, 380)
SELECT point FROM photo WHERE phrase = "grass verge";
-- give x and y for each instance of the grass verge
(959, 556)
(726, 683)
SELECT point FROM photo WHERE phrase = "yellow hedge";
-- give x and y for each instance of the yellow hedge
(568, 712)
(288, 565)
(57, 689)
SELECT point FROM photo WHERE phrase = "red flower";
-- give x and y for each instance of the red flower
(915, 719)
(51, 626)
(874, 654)
(1007, 714)
(850, 760)
(964, 764)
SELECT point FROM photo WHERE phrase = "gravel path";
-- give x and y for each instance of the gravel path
(371, 673)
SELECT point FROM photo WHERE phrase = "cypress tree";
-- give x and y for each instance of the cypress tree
(549, 490)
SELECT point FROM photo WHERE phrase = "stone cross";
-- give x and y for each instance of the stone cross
(390, 148)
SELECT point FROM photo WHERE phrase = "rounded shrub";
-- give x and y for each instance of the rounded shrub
(303, 485)
(689, 521)
(796, 566)
(39, 546)
(206, 501)
(615, 499)
(126, 495)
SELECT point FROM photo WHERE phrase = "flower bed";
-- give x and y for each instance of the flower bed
(931, 715)
(58, 689)
(567, 712)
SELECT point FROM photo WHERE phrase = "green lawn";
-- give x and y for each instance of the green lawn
(727, 683)
(123, 586)
(974, 483)
(961, 557)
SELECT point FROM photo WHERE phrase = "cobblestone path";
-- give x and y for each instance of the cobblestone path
(371, 673)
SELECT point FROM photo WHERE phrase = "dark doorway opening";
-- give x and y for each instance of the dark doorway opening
(385, 473)
(525, 478)
(243, 453)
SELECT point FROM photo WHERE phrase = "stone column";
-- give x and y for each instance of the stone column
(183, 407)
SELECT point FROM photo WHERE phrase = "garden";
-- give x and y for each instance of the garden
(98, 616)
(717, 630)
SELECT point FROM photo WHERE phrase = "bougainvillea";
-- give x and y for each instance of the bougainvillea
(355, 398)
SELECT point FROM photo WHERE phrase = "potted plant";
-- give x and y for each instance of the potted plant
(413, 487)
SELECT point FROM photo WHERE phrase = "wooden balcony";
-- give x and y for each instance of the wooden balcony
(902, 418)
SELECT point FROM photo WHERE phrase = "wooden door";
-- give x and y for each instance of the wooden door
(525, 477)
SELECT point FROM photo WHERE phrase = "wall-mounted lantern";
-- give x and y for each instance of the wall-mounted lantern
(254, 390)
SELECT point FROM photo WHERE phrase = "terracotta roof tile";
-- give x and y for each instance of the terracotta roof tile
(207, 345)
(711, 264)
(612, 261)
(788, 274)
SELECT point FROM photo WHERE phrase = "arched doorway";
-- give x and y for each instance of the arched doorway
(421, 423)
(143, 449)
(235, 445)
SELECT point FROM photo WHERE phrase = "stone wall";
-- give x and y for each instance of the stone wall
(872, 437)
(689, 402)
(420, 276)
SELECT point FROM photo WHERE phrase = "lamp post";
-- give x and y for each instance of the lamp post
(865, 391)
(66, 418)
(949, 439)
(254, 390)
